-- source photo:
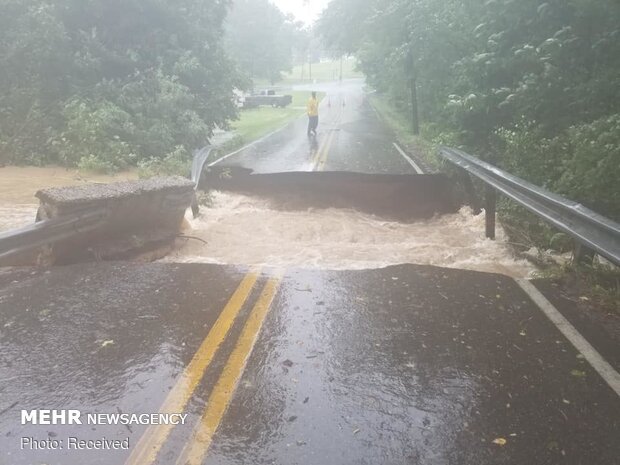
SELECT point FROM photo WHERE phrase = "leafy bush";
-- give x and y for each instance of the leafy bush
(532, 86)
(591, 169)
(524, 152)
(96, 164)
(581, 163)
(96, 134)
(105, 84)
(177, 162)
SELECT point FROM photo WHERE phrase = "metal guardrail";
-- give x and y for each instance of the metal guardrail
(200, 158)
(198, 162)
(31, 237)
(590, 229)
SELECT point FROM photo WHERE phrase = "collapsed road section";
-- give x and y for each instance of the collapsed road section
(404, 197)
(366, 363)
(250, 230)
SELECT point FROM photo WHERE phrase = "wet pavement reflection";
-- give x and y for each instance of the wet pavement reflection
(108, 338)
(405, 364)
(429, 367)
(358, 140)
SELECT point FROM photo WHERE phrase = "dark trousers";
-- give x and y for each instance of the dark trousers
(313, 122)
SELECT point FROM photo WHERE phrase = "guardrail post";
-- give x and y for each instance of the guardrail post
(598, 233)
(582, 254)
(490, 201)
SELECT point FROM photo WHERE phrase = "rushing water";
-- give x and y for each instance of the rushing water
(244, 230)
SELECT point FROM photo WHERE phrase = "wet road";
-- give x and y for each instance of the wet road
(350, 138)
(406, 364)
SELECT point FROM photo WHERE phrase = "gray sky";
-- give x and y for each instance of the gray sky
(304, 10)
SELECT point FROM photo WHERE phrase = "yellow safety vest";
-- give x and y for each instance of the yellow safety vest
(313, 107)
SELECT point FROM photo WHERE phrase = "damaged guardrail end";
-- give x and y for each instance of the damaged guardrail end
(31, 244)
(198, 162)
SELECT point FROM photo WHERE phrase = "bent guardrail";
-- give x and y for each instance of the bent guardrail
(23, 240)
(587, 227)
(198, 162)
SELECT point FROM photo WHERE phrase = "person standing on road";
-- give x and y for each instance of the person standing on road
(313, 114)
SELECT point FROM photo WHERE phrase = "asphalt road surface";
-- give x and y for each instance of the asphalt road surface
(406, 364)
(401, 365)
(350, 137)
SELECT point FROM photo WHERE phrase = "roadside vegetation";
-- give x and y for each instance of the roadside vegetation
(593, 285)
(531, 86)
(254, 123)
(80, 87)
(400, 123)
(250, 125)
(264, 41)
(107, 85)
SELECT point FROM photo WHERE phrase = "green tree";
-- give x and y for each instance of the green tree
(111, 80)
(501, 78)
(261, 39)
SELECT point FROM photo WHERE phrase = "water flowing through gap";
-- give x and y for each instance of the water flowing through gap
(245, 230)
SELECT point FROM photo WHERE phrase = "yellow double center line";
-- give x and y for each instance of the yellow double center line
(195, 450)
(320, 159)
(153, 439)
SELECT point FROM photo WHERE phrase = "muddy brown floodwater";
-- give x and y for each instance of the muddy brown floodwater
(245, 230)
(18, 184)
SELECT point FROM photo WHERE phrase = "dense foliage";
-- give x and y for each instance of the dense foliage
(262, 39)
(531, 85)
(109, 83)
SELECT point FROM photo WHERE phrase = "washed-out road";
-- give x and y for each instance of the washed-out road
(405, 364)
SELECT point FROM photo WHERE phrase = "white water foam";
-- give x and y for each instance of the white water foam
(244, 230)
